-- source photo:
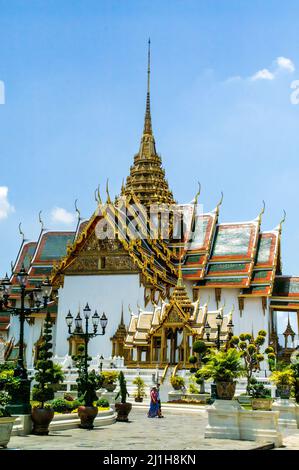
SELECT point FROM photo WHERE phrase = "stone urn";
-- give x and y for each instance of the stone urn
(123, 410)
(87, 415)
(264, 404)
(6, 425)
(110, 387)
(41, 418)
(284, 391)
(225, 390)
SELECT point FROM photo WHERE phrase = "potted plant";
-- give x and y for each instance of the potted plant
(284, 381)
(261, 396)
(140, 392)
(177, 382)
(224, 367)
(109, 380)
(87, 411)
(6, 420)
(45, 377)
(88, 383)
(123, 408)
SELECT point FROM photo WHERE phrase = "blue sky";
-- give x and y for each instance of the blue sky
(75, 80)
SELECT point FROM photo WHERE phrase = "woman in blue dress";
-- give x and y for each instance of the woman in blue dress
(154, 404)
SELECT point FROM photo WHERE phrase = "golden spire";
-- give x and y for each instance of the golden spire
(148, 120)
(147, 177)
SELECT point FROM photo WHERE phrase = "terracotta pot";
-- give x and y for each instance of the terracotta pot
(264, 404)
(6, 424)
(109, 387)
(123, 410)
(225, 390)
(41, 418)
(87, 415)
(139, 399)
(284, 391)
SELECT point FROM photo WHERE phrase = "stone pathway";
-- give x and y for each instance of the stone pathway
(179, 430)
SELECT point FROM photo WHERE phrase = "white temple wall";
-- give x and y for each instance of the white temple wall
(31, 336)
(253, 317)
(105, 293)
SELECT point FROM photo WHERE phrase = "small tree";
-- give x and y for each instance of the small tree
(123, 392)
(140, 385)
(199, 349)
(249, 348)
(88, 382)
(46, 372)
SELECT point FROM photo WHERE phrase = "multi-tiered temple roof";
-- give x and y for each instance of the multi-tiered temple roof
(215, 254)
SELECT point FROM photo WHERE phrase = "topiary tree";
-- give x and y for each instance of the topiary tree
(249, 348)
(46, 372)
(88, 382)
(123, 392)
(199, 349)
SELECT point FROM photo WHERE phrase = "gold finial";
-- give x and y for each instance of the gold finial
(40, 220)
(148, 120)
(122, 191)
(220, 202)
(107, 192)
(208, 300)
(262, 211)
(21, 232)
(283, 219)
(198, 193)
(99, 195)
(77, 210)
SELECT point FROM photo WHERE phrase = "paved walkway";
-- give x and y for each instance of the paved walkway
(179, 430)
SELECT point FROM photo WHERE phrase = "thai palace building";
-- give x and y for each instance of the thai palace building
(157, 292)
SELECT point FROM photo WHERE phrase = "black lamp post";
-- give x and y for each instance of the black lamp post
(31, 301)
(208, 330)
(86, 335)
(219, 319)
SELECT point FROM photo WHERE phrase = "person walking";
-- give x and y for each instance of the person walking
(153, 411)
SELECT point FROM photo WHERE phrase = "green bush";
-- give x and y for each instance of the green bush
(103, 403)
(4, 401)
(192, 359)
(199, 347)
(223, 366)
(110, 377)
(258, 390)
(60, 405)
(177, 382)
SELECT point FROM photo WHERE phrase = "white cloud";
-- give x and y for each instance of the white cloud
(263, 74)
(285, 64)
(280, 64)
(61, 215)
(5, 207)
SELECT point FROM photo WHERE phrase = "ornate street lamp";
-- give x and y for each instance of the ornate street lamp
(86, 335)
(207, 330)
(219, 319)
(31, 301)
